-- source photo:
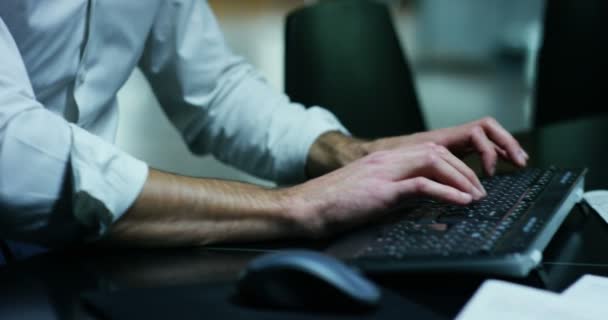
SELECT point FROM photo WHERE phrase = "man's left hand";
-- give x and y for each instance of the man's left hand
(485, 136)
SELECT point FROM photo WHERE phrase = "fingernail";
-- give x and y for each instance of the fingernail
(477, 194)
(493, 170)
(466, 197)
(521, 158)
(525, 154)
(483, 190)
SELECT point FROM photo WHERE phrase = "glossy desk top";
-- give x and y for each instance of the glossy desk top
(49, 286)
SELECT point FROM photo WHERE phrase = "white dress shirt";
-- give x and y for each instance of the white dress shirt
(61, 65)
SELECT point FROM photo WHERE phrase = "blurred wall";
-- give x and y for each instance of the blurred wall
(473, 29)
(448, 29)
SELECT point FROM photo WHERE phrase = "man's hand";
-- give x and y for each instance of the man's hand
(485, 136)
(372, 177)
(377, 183)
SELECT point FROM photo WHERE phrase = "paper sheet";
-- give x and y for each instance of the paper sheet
(598, 200)
(499, 300)
(590, 289)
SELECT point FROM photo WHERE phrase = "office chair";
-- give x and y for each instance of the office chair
(5, 253)
(344, 55)
(573, 61)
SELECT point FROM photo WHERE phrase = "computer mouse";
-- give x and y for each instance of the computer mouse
(303, 279)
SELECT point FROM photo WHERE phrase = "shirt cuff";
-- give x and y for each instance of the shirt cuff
(316, 122)
(105, 181)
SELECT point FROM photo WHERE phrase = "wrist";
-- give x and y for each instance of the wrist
(333, 150)
(302, 212)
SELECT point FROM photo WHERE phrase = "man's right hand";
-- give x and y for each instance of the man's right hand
(177, 211)
(378, 182)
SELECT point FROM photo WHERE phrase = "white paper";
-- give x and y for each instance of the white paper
(590, 289)
(498, 300)
(598, 200)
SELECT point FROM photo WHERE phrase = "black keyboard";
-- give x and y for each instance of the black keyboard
(517, 219)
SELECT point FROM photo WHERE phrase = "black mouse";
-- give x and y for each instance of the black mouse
(302, 279)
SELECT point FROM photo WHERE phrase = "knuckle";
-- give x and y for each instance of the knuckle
(490, 154)
(489, 121)
(441, 149)
(471, 174)
(430, 145)
(431, 159)
(420, 184)
(477, 129)
(489, 157)
(376, 157)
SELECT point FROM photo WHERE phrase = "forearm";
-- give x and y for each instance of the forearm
(179, 211)
(175, 210)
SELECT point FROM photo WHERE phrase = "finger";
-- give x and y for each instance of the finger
(505, 140)
(463, 169)
(486, 149)
(441, 170)
(431, 162)
(421, 186)
(399, 163)
(502, 152)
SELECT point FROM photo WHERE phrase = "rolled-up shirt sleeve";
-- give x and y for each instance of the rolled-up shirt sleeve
(220, 104)
(45, 160)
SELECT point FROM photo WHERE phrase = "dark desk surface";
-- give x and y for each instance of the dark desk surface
(49, 286)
